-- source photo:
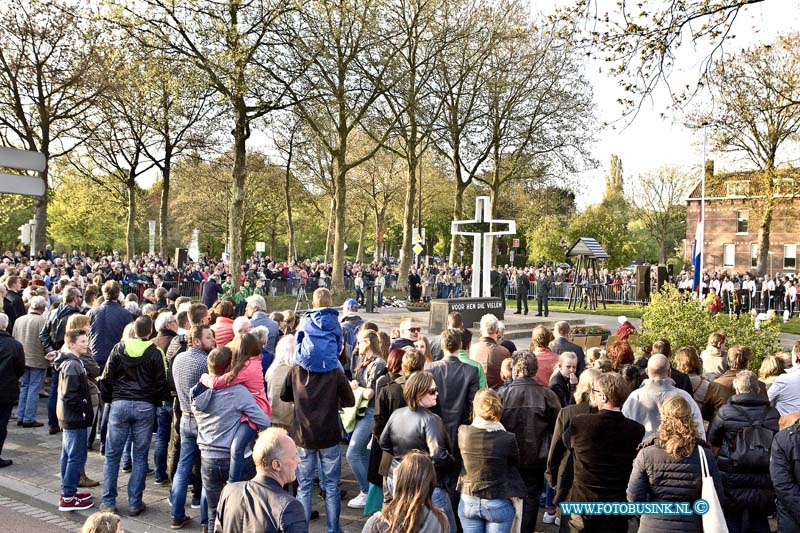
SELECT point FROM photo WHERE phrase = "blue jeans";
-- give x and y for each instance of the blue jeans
(32, 381)
(214, 472)
(127, 454)
(485, 516)
(73, 459)
(357, 452)
(183, 475)
(127, 416)
(331, 470)
(241, 442)
(52, 419)
(379, 292)
(164, 422)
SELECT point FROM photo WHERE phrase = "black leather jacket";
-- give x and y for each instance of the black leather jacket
(135, 370)
(784, 467)
(530, 411)
(417, 430)
(260, 504)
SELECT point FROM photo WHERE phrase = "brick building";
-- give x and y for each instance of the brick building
(732, 218)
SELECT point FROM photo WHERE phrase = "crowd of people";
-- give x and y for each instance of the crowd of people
(456, 431)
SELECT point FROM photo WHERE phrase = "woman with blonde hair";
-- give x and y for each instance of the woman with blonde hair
(559, 461)
(282, 412)
(411, 510)
(667, 468)
(102, 522)
(423, 345)
(771, 367)
(489, 478)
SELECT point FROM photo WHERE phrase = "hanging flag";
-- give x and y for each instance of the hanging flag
(697, 252)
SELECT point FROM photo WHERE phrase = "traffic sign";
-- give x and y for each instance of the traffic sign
(22, 159)
(417, 249)
(515, 243)
(21, 184)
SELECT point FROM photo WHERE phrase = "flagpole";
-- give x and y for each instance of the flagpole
(703, 202)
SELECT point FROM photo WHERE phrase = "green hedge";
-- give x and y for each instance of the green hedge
(688, 323)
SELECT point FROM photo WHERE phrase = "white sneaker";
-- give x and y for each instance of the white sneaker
(549, 518)
(558, 521)
(359, 502)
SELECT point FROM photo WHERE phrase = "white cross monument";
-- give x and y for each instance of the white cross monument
(481, 247)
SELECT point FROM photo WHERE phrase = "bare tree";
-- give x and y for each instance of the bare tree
(235, 45)
(756, 114)
(46, 62)
(539, 108)
(659, 200)
(339, 67)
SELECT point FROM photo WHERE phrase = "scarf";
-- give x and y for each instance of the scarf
(488, 425)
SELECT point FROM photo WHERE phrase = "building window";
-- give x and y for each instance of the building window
(737, 188)
(728, 255)
(753, 255)
(789, 256)
(742, 219)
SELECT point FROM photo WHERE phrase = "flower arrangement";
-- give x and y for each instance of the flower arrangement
(590, 330)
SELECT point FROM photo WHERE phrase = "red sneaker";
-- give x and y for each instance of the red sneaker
(74, 504)
(83, 495)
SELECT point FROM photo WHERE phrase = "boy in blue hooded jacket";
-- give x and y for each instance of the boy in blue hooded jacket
(319, 336)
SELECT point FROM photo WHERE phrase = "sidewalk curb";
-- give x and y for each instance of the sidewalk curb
(47, 500)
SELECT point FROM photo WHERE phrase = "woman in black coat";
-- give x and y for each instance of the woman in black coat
(667, 469)
(749, 496)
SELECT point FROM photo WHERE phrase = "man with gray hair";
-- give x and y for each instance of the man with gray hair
(562, 343)
(261, 504)
(12, 363)
(256, 311)
(26, 331)
(644, 404)
(529, 412)
(488, 352)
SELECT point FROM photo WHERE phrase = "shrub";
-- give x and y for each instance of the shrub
(687, 323)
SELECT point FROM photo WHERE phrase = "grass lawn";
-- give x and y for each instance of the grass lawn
(560, 306)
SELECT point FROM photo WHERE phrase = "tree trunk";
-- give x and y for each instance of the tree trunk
(164, 208)
(763, 242)
(329, 235)
(40, 214)
(408, 217)
(380, 216)
(361, 234)
(131, 231)
(458, 213)
(236, 220)
(273, 241)
(340, 192)
(290, 255)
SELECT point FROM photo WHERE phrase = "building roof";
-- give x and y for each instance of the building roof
(717, 184)
(587, 247)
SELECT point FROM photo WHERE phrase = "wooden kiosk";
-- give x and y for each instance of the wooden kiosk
(586, 293)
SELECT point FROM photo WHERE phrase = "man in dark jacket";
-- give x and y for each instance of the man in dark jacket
(543, 286)
(261, 504)
(457, 383)
(561, 344)
(134, 383)
(12, 366)
(13, 305)
(784, 468)
(74, 408)
(108, 321)
(529, 412)
(749, 496)
(317, 398)
(523, 287)
(603, 446)
(167, 327)
(211, 291)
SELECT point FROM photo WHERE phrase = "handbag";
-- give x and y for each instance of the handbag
(713, 519)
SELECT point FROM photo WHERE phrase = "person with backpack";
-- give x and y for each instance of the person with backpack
(743, 431)
(784, 468)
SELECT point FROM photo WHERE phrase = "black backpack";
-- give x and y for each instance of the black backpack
(752, 444)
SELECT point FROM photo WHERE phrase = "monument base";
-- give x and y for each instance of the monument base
(471, 309)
